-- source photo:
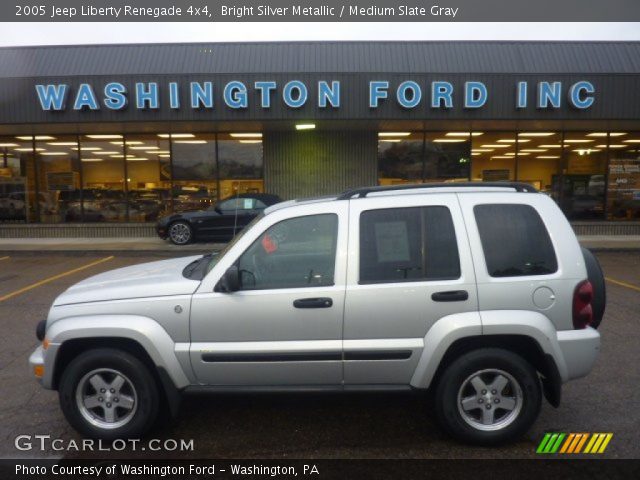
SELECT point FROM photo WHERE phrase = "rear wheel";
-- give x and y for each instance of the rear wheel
(108, 393)
(180, 233)
(488, 397)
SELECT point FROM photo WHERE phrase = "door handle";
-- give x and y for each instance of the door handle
(323, 302)
(450, 296)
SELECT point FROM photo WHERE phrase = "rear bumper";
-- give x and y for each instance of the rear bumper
(162, 231)
(579, 350)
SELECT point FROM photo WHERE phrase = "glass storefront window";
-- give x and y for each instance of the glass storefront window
(447, 156)
(103, 181)
(539, 157)
(493, 156)
(580, 189)
(400, 157)
(148, 177)
(240, 163)
(195, 184)
(58, 178)
(623, 188)
(17, 180)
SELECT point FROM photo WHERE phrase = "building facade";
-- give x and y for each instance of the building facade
(128, 133)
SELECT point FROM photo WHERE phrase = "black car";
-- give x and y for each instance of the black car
(220, 222)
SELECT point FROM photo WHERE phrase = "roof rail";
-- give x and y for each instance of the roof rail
(364, 191)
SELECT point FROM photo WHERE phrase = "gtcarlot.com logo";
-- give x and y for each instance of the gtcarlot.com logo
(574, 443)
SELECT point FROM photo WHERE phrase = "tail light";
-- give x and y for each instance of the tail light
(582, 309)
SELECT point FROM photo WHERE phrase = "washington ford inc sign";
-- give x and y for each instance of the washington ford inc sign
(296, 94)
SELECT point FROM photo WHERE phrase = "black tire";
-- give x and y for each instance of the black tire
(516, 423)
(184, 227)
(97, 360)
(596, 278)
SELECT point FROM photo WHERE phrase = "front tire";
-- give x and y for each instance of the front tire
(488, 397)
(108, 394)
(180, 233)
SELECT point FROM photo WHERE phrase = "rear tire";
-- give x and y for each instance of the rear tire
(488, 397)
(180, 233)
(107, 393)
(596, 278)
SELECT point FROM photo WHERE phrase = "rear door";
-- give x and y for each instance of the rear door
(409, 266)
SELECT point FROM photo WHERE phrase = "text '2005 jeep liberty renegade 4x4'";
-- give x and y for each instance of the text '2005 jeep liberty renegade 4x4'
(478, 292)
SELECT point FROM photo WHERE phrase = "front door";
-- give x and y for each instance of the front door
(284, 326)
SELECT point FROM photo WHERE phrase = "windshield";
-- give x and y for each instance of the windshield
(217, 257)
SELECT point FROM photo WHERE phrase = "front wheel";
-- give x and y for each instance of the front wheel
(180, 233)
(107, 393)
(488, 396)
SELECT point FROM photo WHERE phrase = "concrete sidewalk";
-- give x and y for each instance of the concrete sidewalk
(156, 245)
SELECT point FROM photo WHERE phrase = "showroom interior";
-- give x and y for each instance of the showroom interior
(143, 161)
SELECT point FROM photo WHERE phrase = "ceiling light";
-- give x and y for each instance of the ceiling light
(604, 134)
(303, 126)
(9, 145)
(190, 141)
(136, 159)
(612, 146)
(582, 151)
(390, 140)
(448, 140)
(176, 135)
(87, 149)
(246, 135)
(493, 145)
(29, 149)
(510, 140)
(548, 157)
(475, 154)
(534, 150)
(578, 140)
(523, 154)
(535, 134)
(63, 144)
(131, 142)
(37, 137)
(551, 145)
(632, 140)
(502, 157)
(164, 156)
(54, 153)
(464, 134)
(93, 159)
(105, 152)
(144, 147)
(250, 141)
(391, 134)
(103, 137)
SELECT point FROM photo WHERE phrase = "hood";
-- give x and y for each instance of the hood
(152, 279)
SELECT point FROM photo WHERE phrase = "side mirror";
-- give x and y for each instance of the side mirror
(230, 281)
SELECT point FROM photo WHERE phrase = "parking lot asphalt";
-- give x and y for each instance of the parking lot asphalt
(310, 425)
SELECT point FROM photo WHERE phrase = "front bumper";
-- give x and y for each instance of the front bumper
(579, 349)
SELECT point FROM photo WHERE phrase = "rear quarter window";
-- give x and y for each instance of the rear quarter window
(515, 240)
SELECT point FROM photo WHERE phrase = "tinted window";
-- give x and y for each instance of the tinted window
(515, 241)
(408, 244)
(298, 252)
(241, 203)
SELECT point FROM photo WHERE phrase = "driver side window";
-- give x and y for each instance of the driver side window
(295, 253)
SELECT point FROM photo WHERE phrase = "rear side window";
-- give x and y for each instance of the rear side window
(515, 240)
(408, 245)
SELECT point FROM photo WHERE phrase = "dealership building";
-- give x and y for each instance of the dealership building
(122, 134)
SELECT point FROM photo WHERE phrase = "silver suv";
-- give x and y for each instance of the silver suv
(477, 293)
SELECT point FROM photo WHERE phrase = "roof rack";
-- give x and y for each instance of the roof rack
(364, 191)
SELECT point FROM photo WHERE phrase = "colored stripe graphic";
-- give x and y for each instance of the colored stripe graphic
(573, 443)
